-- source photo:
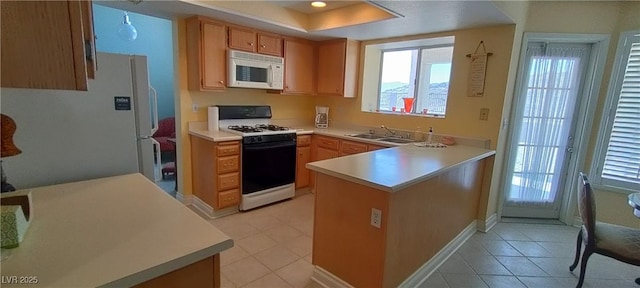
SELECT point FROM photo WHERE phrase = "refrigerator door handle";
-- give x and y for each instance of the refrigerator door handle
(157, 172)
(154, 107)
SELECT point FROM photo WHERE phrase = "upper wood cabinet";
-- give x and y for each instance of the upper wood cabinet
(270, 44)
(338, 67)
(242, 39)
(254, 41)
(206, 54)
(55, 39)
(299, 66)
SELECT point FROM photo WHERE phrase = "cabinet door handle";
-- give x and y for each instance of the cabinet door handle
(263, 46)
(251, 44)
(221, 82)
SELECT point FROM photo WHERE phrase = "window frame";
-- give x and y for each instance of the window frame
(416, 83)
(622, 55)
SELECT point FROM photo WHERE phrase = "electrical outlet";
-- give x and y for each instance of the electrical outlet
(484, 114)
(376, 217)
(194, 107)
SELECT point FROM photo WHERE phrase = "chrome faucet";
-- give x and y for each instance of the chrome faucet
(390, 132)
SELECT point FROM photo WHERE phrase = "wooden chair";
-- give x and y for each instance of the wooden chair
(618, 242)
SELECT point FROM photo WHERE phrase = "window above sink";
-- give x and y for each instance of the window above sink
(408, 77)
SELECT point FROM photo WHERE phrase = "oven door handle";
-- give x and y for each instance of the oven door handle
(265, 146)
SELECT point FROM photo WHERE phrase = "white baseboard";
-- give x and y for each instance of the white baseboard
(208, 210)
(423, 273)
(489, 223)
(325, 279)
(186, 200)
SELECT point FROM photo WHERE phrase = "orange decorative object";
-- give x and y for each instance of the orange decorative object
(8, 129)
(408, 104)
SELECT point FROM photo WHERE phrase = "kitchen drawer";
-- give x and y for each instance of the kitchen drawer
(348, 147)
(228, 164)
(228, 148)
(228, 198)
(304, 140)
(328, 143)
(228, 181)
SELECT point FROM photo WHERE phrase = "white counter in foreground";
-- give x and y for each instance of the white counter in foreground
(115, 232)
(396, 168)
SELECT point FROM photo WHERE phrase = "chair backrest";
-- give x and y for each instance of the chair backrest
(587, 207)
(166, 127)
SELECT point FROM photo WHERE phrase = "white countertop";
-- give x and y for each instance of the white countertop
(199, 129)
(394, 169)
(115, 232)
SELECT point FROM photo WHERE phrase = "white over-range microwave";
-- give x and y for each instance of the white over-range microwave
(251, 70)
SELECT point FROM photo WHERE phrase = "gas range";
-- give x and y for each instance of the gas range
(262, 133)
(259, 129)
(268, 154)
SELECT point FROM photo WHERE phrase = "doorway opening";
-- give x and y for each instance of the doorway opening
(154, 40)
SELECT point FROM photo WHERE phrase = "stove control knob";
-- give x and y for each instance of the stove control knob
(259, 139)
(253, 139)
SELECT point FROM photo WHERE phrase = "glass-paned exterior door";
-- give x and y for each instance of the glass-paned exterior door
(544, 123)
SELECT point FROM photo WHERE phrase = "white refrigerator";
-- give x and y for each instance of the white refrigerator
(77, 135)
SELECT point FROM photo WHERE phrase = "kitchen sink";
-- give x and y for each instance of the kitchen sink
(396, 140)
(367, 136)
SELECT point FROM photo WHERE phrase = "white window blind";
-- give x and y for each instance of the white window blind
(621, 167)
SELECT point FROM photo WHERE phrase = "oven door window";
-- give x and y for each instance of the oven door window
(268, 165)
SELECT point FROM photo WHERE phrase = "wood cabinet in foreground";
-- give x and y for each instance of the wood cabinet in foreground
(47, 44)
(216, 172)
(206, 54)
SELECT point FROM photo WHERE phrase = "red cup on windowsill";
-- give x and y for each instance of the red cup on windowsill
(408, 104)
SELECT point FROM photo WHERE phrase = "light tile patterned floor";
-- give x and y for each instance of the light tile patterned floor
(527, 255)
(273, 249)
(272, 245)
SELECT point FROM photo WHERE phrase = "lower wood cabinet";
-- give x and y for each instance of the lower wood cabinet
(229, 198)
(324, 154)
(371, 147)
(216, 172)
(350, 147)
(303, 157)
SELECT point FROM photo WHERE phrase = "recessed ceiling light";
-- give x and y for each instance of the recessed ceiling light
(318, 4)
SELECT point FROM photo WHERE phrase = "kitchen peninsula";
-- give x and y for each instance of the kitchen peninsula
(380, 216)
(115, 232)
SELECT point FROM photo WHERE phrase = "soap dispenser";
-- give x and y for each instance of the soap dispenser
(430, 135)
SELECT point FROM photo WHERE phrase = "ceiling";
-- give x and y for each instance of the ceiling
(359, 20)
(306, 8)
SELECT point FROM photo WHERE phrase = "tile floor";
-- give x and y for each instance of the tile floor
(273, 249)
